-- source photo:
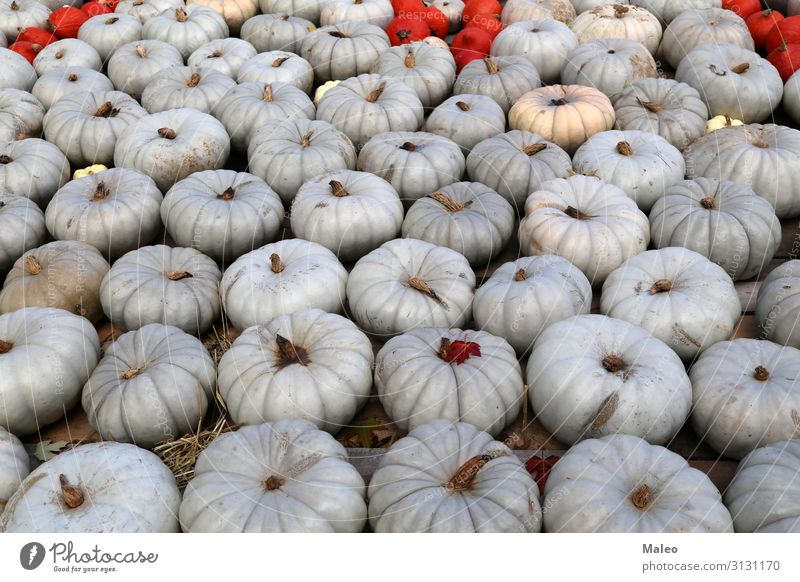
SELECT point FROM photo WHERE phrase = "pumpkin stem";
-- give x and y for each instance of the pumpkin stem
(111, 20)
(762, 374)
(72, 77)
(466, 473)
(337, 34)
(641, 498)
(267, 94)
(717, 71)
(279, 61)
(305, 141)
(520, 275)
(4, 159)
(5, 346)
(607, 409)
(178, 275)
(421, 286)
(277, 264)
(575, 213)
(141, 51)
(410, 61)
(32, 265)
(289, 354)
(59, 55)
(167, 133)
(708, 203)
(491, 66)
(533, 149)
(445, 200)
(375, 94)
(338, 189)
(14, 6)
(661, 286)
(132, 373)
(614, 364)
(624, 148)
(557, 102)
(444, 349)
(652, 106)
(72, 496)
(273, 482)
(215, 55)
(462, 106)
(227, 194)
(759, 143)
(101, 192)
(784, 47)
(408, 146)
(180, 15)
(620, 10)
(741, 68)
(106, 110)
(138, 2)
(194, 80)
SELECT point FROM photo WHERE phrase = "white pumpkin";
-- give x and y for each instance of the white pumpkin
(592, 376)
(377, 12)
(16, 72)
(63, 274)
(96, 488)
(695, 27)
(62, 348)
(280, 278)
(642, 164)
(522, 298)
(430, 373)
(193, 87)
(277, 477)
(504, 79)
(467, 120)
(107, 32)
(723, 221)
(21, 228)
(159, 284)
(276, 32)
(226, 55)
(764, 495)
(609, 65)
(467, 217)
(234, 12)
(676, 294)
(351, 213)
(667, 10)
(288, 152)
(429, 70)
(67, 52)
(308, 9)
(453, 9)
(21, 115)
(407, 283)
(170, 145)
(86, 125)
(153, 385)
(517, 10)
(791, 97)
(415, 163)
(308, 364)
(618, 20)
(14, 465)
(187, 28)
(448, 478)
(222, 213)
(622, 484)
(16, 15)
(144, 10)
(132, 65)
(546, 43)
(777, 308)
(280, 66)
(592, 224)
(746, 395)
(32, 168)
(343, 50)
(115, 211)
(57, 83)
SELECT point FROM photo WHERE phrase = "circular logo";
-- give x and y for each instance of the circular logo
(31, 555)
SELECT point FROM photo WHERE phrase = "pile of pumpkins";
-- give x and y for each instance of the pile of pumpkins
(392, 151)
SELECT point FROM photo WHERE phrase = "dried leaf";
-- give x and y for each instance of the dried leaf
(539, 467)
(45, 450)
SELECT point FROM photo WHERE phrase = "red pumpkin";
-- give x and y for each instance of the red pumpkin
(407, 7)
(489, 22)
(96, 8)
(66, 21)
(786, 30)
(476, 7)
(403, 30)
(29, 50)
(743, 8)
(436, 21)
(35, 35)
(760, 23)
(470, 44)
(785, 58)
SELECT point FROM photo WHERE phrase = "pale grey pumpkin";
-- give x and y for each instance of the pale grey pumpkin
(592, 376)
(343, 50)
(366, 105)
(144, 10)
(170, 145)
(288, 152)
(281, 66)
(415, 163)
(467, 120)
(276, 32)
(247, 107)
(289, 477)
(427, 69)
(618, 20)
(21, 115)
(447, 477)
(32, 168)
(515, 163)
(524, 297)
(187, 28)
(546, 43)
(195, 87)
(308, 9)
(153, 385)
(86, 125)
(778, 306)
(764, 495)
(173, 286)
(132, 65)
(21, 228)
(222, 213)
(14, 464)
(667, 10)
(377, 12)
(642, 164)
(107, 32)
(308, 364)
(695, 27)
(746, 395)
(57, 83)
(16, 15)
(351, 213)
(96, 488)
(518, 10)
(115, 211)
(762, 157)
(676, 294)
(226, 55)
(609, 65)
(280, 278)
(67, 52)
(791, 97)
(504, 79)
(16, 72)
(723, 221)
(733, 81)
(65, 350)
(468, 217)
(63, 274)
(669, 108)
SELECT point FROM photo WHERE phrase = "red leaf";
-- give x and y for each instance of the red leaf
(458, 351)
(539, 467)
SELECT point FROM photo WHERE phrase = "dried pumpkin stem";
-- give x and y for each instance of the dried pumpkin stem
(194, 80)
(227, 194)
(759, 143)
(491, 66)
(534, 148)
(305, 141)
(180, 15)
(72, 77)
(421, 286)
(141, 51)
(179, 275)
(337, 34)
(215, 55)
(273, 482)
(620, 10)
(740, 68)
(661, 286)
(279, 61)
(573, 212)
(761, 374)
(376, 93)
(445, 200)
(338, 189)
(276, 263)
(32, 265)
(462, 105)
(444, 349)
(167, 133)
(613, 363)
(101, 192)
(557, 102)
(408, 146)
(708, 203)
(106, 110)
(520, 275)
(410, 61)
(641, 498)
(652, 106)
(624, 149)
(132, 373)
(4, 159)
(289, 354)
(72, 496)
(266, 95)
(111, 20)
(5, 346)
(59, 55)
(466, 473)
(14, 5)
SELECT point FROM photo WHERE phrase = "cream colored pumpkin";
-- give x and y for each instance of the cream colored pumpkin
(234, 12)
(517, 10)
(618, 20)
